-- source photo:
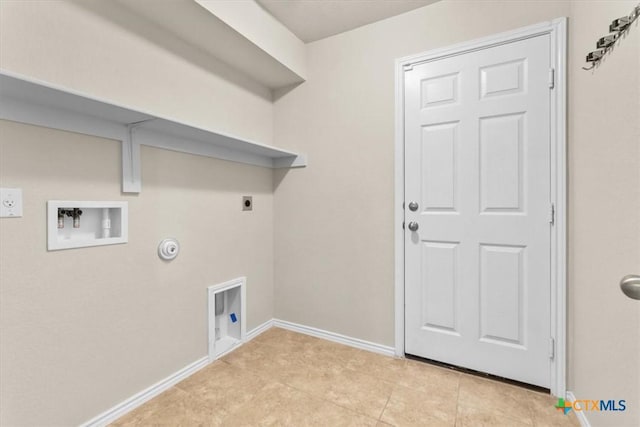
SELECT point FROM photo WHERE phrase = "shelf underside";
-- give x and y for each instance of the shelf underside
(27, 101)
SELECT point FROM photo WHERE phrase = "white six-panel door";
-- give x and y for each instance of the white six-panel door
(477, 164)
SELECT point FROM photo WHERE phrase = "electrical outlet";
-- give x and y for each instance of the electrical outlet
(10, 202)
(247, 203)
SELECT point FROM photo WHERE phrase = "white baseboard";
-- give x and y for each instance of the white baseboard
(259, 329)
(110, 415)
(582, 417)
(122, 408)
(332, 336)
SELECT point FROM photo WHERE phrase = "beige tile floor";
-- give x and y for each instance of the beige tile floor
(282, 378)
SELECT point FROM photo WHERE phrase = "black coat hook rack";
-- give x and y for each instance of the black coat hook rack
(617, 28)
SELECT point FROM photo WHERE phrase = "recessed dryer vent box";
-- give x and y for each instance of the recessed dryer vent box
(227, 328)
(79, 224)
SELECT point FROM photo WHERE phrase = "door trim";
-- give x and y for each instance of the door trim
(557, 30)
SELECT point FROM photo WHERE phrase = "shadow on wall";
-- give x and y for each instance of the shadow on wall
(278, 176)
(280, 92)
(165, 169)
(131, 22)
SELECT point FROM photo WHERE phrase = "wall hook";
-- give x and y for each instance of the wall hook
(606, 43)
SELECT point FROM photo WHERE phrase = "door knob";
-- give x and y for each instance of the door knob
(413, 226)
(413, 206)
(629, 284)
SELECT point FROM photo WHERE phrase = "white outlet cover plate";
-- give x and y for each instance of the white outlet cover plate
(10, 202)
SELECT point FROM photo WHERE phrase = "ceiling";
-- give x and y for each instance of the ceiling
(313, 20)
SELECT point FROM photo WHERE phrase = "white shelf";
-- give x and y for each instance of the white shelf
(28, 101)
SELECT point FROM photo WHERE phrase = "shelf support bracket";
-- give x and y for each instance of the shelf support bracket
(131, 170)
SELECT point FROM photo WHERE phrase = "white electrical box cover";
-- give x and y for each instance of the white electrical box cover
(10, 202)
(227, 308)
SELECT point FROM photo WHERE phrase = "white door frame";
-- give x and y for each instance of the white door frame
(557, 30)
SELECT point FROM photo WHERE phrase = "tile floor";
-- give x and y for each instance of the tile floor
(282, 378)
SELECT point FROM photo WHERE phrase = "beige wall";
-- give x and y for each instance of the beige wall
(604, 217)
(82, 330)
(334, 220)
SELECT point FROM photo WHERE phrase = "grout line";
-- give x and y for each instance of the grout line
(319, 396)
(385, 405)
(455, 420)
(322, 398)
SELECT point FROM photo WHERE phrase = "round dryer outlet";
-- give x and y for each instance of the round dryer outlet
(168, 249)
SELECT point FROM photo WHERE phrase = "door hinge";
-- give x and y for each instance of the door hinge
(552, 348)
(552, 214)
(552, 78)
